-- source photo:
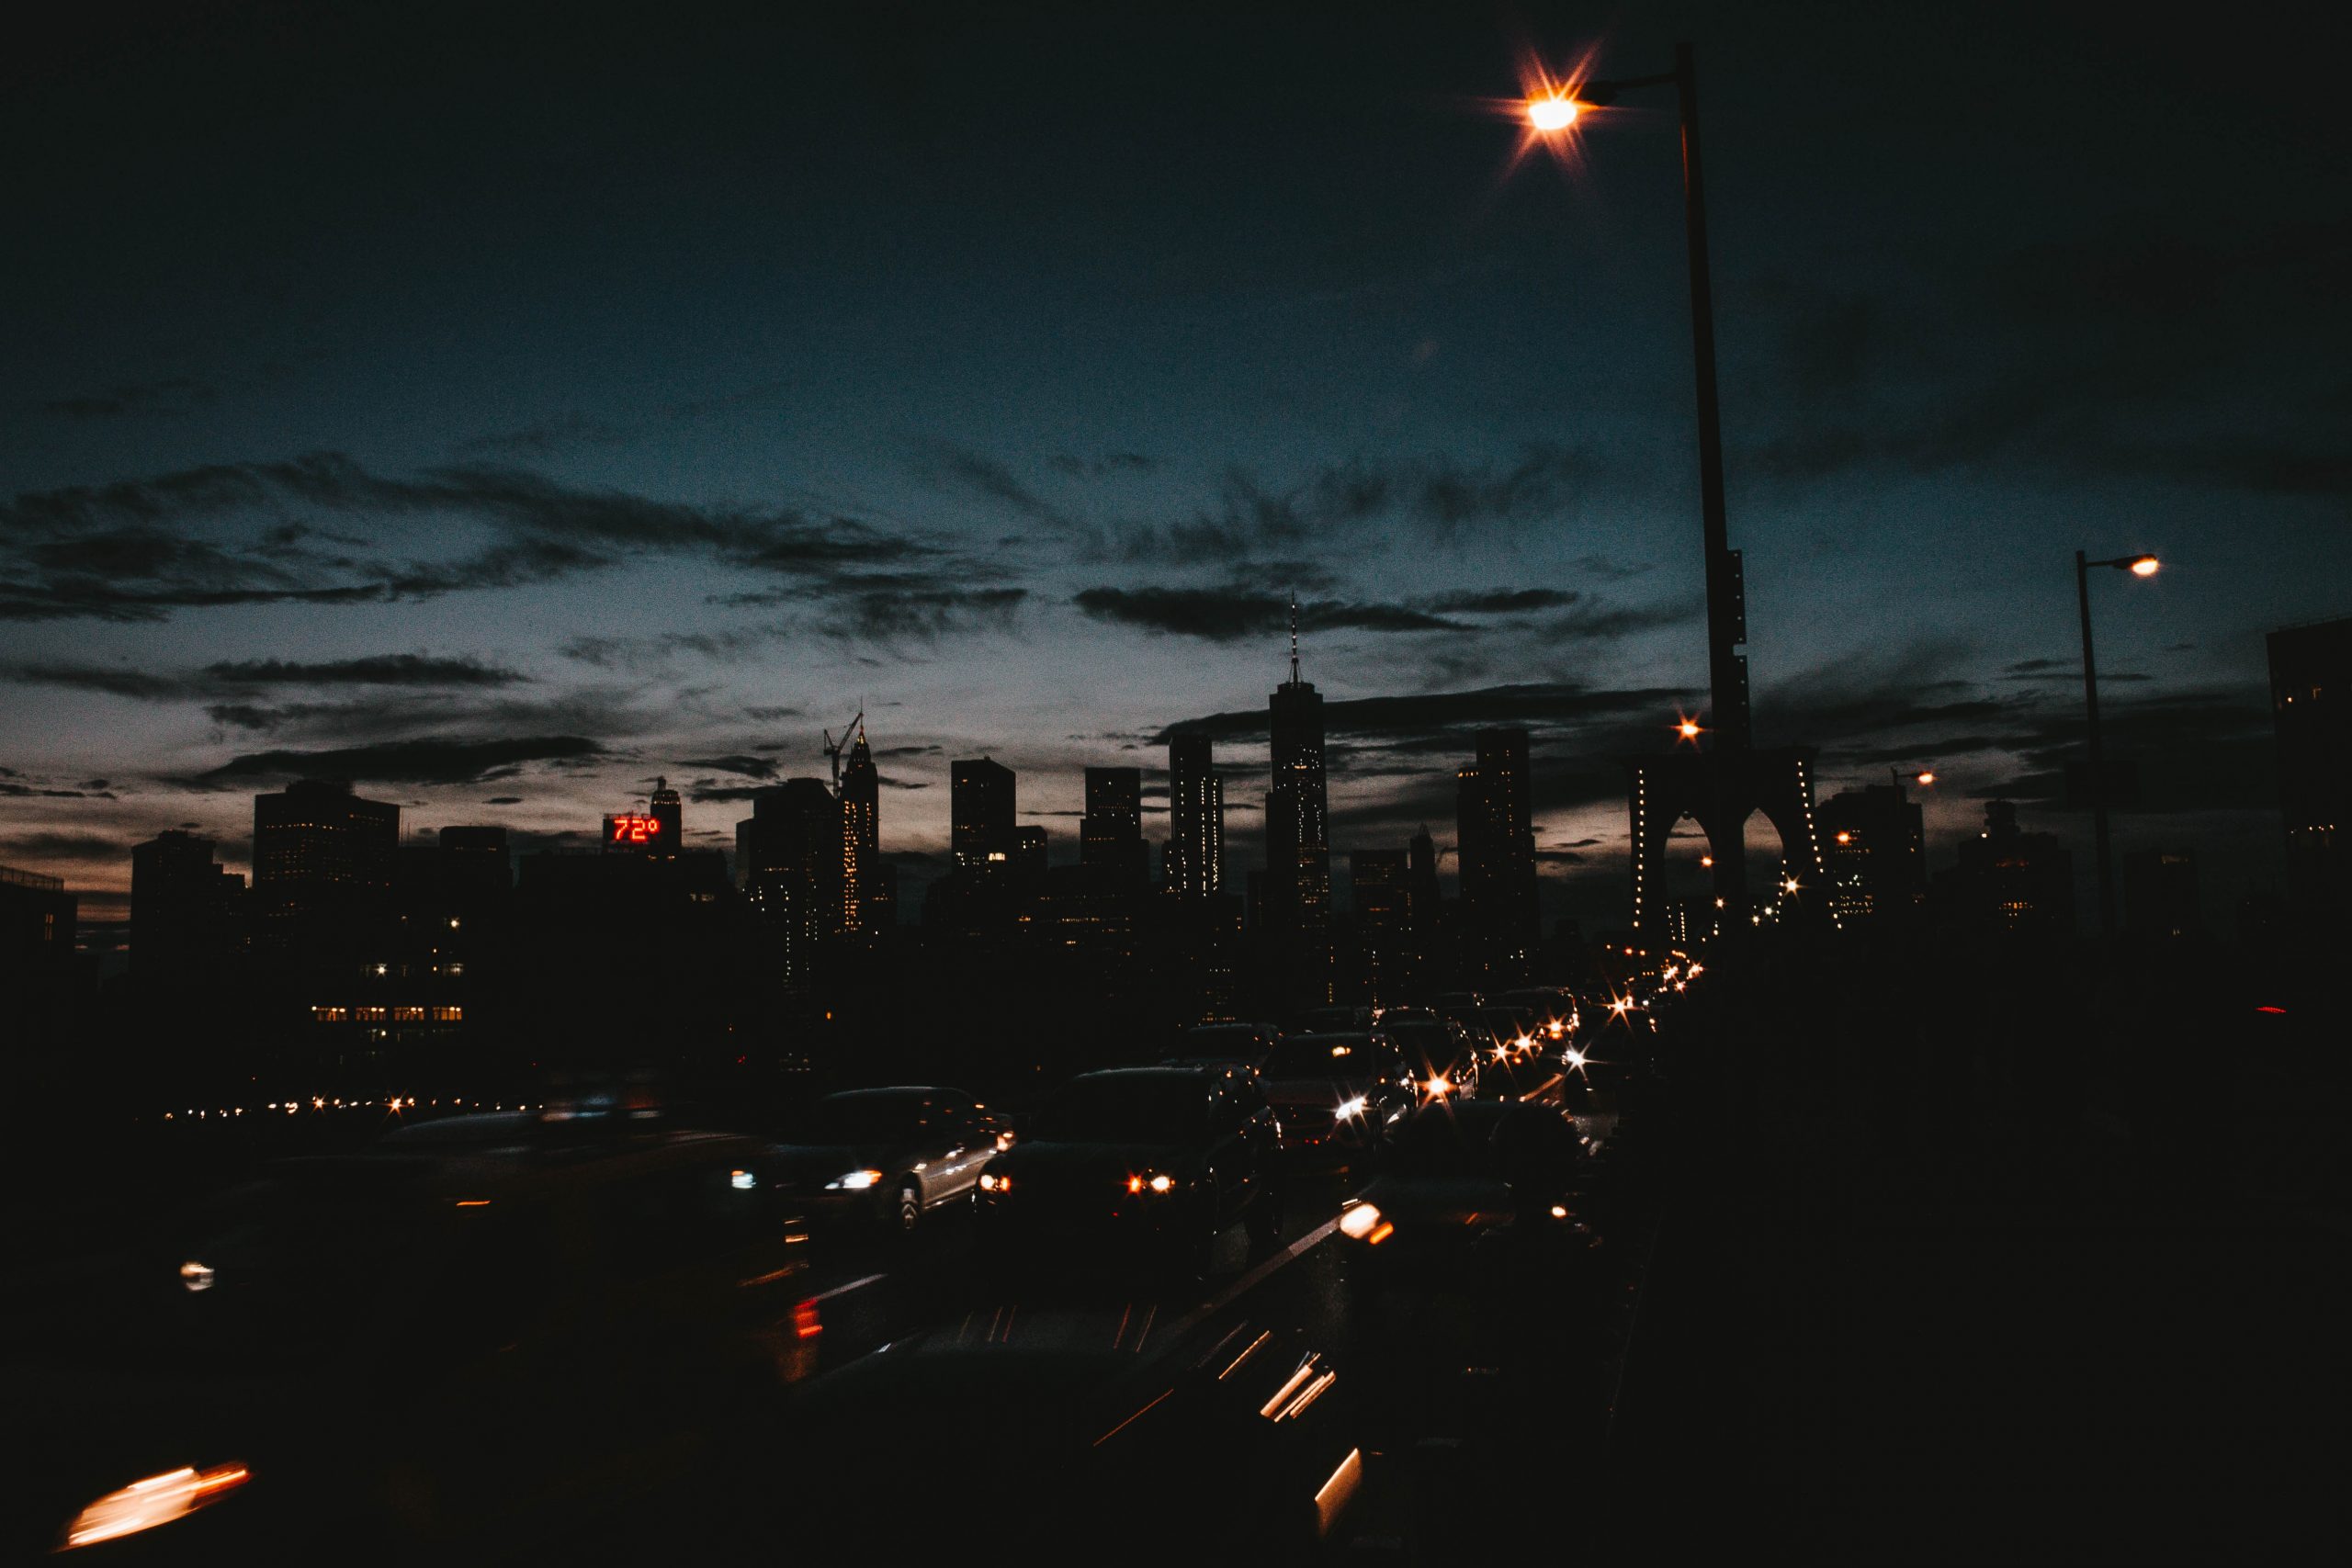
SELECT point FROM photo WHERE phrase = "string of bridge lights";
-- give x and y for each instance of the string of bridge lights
(320, 1102)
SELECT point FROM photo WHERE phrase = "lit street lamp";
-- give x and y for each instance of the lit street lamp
(2140, 565)
(1554, 110)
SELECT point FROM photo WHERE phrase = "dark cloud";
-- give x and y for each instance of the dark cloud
(924, 615)
(549, 437)
(423, 761)
(503, 800)
(133, 549)
(709, 791)
(1534, 706)
(375, 670)
(1505, 601)
(113, 681)
(171, 395)
(750, 767)
(1098, 468)
(57, 844)
(1217, 614)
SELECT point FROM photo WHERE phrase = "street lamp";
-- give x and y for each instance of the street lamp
(1553, 110)
(2140, 565)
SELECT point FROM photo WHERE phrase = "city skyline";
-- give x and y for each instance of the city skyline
(414, 476)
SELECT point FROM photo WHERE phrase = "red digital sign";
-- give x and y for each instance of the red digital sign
(630, 829)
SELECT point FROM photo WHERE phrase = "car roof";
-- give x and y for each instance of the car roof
(1167, 1071)
(891, 1091)
(519, 1161)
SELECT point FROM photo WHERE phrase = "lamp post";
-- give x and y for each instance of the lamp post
(2140, 565)
(1556, 112)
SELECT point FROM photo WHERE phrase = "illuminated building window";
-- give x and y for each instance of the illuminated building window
(331, 1015)
(408, 1015)
(370, 1015)
(448, 1014)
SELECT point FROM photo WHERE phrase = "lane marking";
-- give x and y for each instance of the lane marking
(1225, 1298)
(844, 1289)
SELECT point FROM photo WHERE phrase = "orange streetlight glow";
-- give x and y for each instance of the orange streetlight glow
(2146, 566)
(1926, 776)
(1551, 112)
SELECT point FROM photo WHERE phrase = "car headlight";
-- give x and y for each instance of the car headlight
(157, 1500)
(1151, 1181)
(992, 1182)
(1363, 1222)
(855, 1181)
(1355, 1106)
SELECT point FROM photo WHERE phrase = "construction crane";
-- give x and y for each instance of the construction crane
(833, 747)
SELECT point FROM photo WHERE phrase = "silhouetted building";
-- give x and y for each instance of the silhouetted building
(1496, 842)
(870, 896)
(657, 830)
(2310, 703)
(2160, 895)
(981, 808)
(1874, 850)
(1110, 835)
(476, 866)
(1028, 857)
(1196, 862)
(37, 916)
(1297, 889)
(788, 864)
(187, 910)
(324, 860)
(2010, 881)
(1380, 882)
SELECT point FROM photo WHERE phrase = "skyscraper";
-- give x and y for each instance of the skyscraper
(1195, 820)
(1497, 847)
(2310, 701)
(1874, 850)
(1381, 883)
(186, 919)
(980, 807)
(1110, 834)
(862, 880)
(788, 863)
(1299, 850)
(323, 858)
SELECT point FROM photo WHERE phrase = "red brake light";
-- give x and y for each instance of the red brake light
(805, 1324)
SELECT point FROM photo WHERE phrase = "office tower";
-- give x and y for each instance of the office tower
(187, 915)
(1496, 842)
(1381, 883)
(2010, 881)
(1298, 850)
(788, 863)
(981, 808)
(1196, 863)
(1028, 855)
(323, 859)
(2310, 703)
(1110, 841)
(670, 812)
(1874, 850)
(475, 864)
(866, 904)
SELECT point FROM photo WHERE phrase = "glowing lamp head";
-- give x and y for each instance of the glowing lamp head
(1926, 776)
(1687, 729)
(1553, 112)
(2145, 566)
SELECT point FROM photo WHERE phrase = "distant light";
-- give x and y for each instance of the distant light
(1845, 838)
(1687, 729)
(1161, 1183)
(1359, 1221)
(1552, 113)
(1706, 861)
(2146, 566)
(1926, 776)
(742, 1180)
(158, 1500)
(1559, 1212)
(1355, 1106)
(196, 1276)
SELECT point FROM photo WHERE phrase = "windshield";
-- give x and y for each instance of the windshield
(1145, 1109)
(1448, 1141)
(844, 1119)
(1330, 1055)
(1432, 1041)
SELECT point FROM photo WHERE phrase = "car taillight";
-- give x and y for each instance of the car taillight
(805, 1322)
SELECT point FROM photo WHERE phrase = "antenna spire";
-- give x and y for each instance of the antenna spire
(1293, 637)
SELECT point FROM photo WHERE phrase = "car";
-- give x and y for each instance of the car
(465, 1339)
(1155, 1162)
(1452, 1170)
(1336, 1090)
(1510, 1028)
(884, 1157)
(1437, 1052)
(1329, 1021)
(1552, 1008)
(1238, 1044)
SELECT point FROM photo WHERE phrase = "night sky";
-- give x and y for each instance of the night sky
(502, 411)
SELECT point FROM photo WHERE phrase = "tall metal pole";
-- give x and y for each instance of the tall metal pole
(2099, 764)
(1726, 613)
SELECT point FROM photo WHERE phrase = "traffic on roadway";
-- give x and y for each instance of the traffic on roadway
(1282, 1291)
